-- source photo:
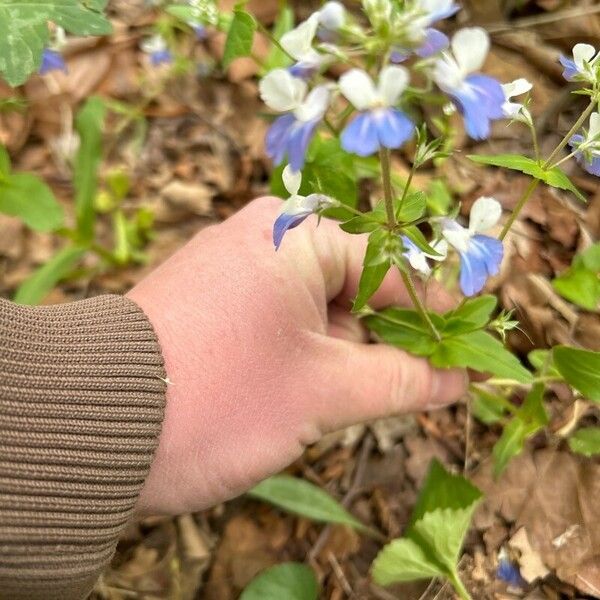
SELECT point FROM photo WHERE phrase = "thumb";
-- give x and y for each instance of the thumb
(369, 381)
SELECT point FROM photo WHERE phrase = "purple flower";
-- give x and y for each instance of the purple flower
(199, 30)
(418, 259)
(157, 49)
(291, 134)
(378, 124)
(296, 208)
(587, 148)
(480, 255)
(52, 60)
(584, 66)
(479, 98)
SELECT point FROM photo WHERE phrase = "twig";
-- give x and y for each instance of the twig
(341, 576)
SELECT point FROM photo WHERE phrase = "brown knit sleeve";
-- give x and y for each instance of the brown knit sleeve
(81, 406)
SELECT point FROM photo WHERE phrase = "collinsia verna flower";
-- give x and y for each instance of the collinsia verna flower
(332, 18)
(418, 259)
(478, 97)
(157, 49)
(587, 148)
(516, 110)
(584, 66)
(480, 255)
(296, 208)
(199, 30)
(52, 60)
(292, 133)
(425, 41)
(378, 124)
(298, 43)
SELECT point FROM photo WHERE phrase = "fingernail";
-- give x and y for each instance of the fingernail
(448, 387)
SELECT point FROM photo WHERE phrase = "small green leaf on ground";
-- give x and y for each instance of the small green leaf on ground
(581, 369)
(240, 36)
(305, 499)
(586, 441)
(289, 581)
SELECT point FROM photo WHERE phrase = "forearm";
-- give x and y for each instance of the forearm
(81, 406)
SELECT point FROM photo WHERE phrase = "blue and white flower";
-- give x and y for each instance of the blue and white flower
(298, 43)
(516, 110)
(292, 133)
(199, 30)
(587, 148)
(584, 66)
(296, 208)
(157, 49)
(52, 59)
(479, 98)
(480, 255)
(332, 17)
(378, 124)
(418, 259)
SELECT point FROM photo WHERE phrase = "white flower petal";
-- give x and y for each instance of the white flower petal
(583, 53)
(358, 88)
(447, 74)
(516, 88)
(298, 42)
(456, 235)
(332, 16)
(316, 104)
(470, 47)
(418, 261)
(594, 130)
(292, 180)
(281, 91)
(485, 213)
(441, 247)
(392, 82)
(156, 43)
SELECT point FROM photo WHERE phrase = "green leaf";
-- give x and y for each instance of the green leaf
(26, 196)
(404, 560)
(553, 177)
(366, 223)
(305, 499)
(473, 314)
(580, 286)
(4, 162)
(590, 258)
(528, 420)
(481, 352)
(34, 289)
(487, 407)
(439, 198)
(24, 30)
(405, 329)
(412, 208)
(581, 369)
(418, 239)
(586, 441)
(433, 540)
(277, 59)
(373, 272)
(289, 581)
(89, 123)
(240, 36)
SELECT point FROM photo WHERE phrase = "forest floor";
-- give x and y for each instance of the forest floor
(202, 160)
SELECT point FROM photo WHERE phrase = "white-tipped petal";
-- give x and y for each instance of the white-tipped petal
(458, 237)
(292, 180)
(332, 16)
(470, 47)
(316, 104)
(447, 74)
(594, 130)
(358, 88)
(298, 42)
(281, 91)
(485, 213)
(418, 261)
(392, 82)
(516, 87)
(441, 247)
(583, 53)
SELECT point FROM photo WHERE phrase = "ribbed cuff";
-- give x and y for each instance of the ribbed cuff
(82, 397)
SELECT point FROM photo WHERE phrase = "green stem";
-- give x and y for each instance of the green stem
(386, 176)
(407, 187)
(459, 587)
(414, 296)
(519, 207)
(273, 40)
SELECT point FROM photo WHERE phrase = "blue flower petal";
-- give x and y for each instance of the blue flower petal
(200, 31)
(480, 102)
(285, 222)
(444, 14)
(399, 55)
(482, 260)
(434, 42)
(361, 136)
(394, 128)
(593, 167)
(571, 69)
(300, 137)
(277, 138)
(509, 573)
(52, 61)
(161, 57)
(304, 70)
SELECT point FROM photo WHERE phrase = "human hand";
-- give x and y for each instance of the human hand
(264, 356)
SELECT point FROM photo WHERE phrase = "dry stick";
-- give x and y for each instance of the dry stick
(543, 19)
(341, 576)
(359, 473)
(535, 182)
